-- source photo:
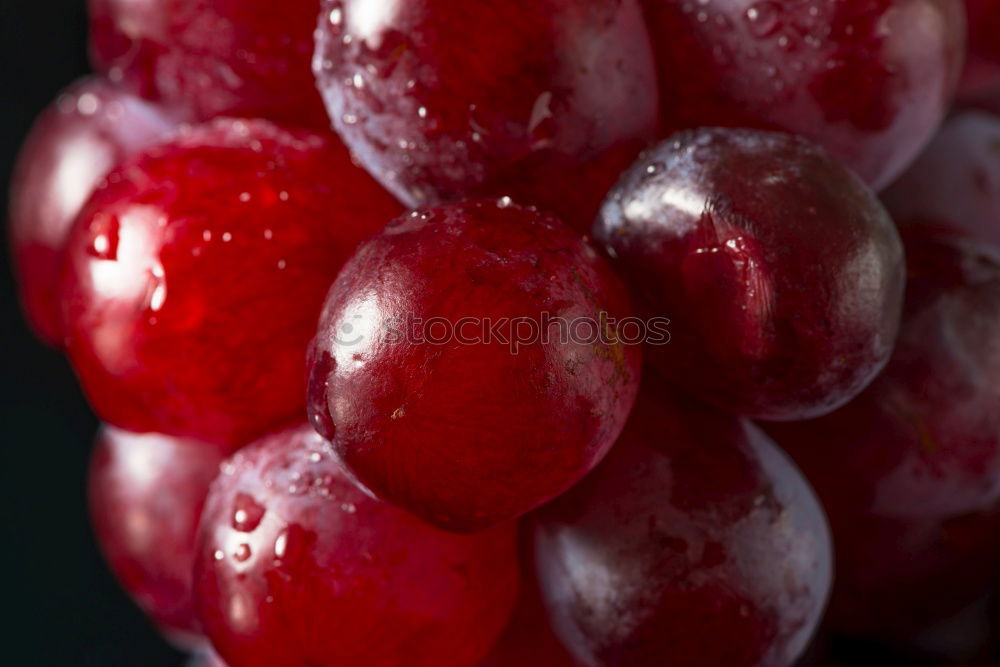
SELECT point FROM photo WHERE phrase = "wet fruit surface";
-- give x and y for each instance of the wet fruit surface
(869, 80)
(449, 373)
(541, 101)
(196, 272)
(779, 270)
(297, 566)
(955, 184)
(212, 57)
(146, 495)
(90, 127)
(910, 470)
(696, 542)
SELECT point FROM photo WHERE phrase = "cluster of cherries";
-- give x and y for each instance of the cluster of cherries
(284, 478)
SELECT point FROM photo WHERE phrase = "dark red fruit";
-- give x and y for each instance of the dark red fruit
(212, 57)
(780, 271)
(955, 184)
(297, 567)
(90, 127)
(146, 495)
(196, 272)
(468, 365)
(869, 80)
(696, 543)
(910, 470)
(528, 640)
(543, 100)
(982, 64)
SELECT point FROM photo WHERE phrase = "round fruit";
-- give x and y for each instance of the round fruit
(542, 100)
(955, 184)
(146, 496)
(468, 364)
(781, 273)
(695, 543)
(910, 470)
(195, 273)
(297, 566)
(869, 80)
(90, 127)
(212, 57)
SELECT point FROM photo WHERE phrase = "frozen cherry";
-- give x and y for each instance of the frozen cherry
(212, 57)
(146, 495)
(468, 364)
(696, 543)
(195, 273)
(297, 566)
(869, 80)
(955, 184)
(779, 270)
(91, 126)
(909, 471)
(982, 64)
(543, 100)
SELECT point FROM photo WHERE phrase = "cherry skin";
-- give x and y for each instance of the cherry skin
(780, 271)
(955, 184)
(146, 493)
(869, 80)
(909, 471)
(297, 566)
(468, 365)
(212, 57)
(90, 127)
(542, 100)
(195, 273)
(982, 63)
(696, 543)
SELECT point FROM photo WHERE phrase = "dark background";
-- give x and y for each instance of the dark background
(61, 605)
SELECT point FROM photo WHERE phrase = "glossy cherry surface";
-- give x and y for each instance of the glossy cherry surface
(696, 543)
(90, 127)
(297, 567)
(146, 493)
(212, 57)
(468, 365)
(909, 471)
(982, 63)
(955, 184)
(869, 80)
(542, 100)
(779, 270)
(196, 272)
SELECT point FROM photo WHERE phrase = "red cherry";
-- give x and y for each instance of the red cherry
(696, 542)
(212, 57)
(437, 397)
(781, 273)
(543, 100)
(196, 272)
(869, 80)
(982, 64)
(146, 495)
(955, 184)
(297, 566)
(90, 127)
(910, 470)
